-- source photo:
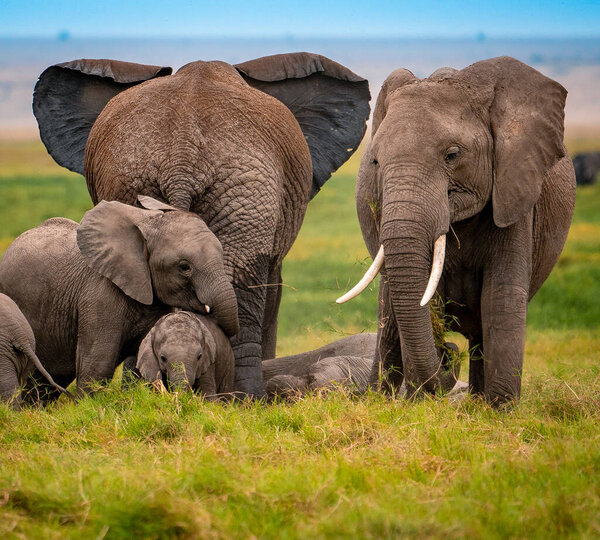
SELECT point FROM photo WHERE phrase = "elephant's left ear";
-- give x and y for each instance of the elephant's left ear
(527, 123)
(209, 347)
(147, 364)
(330, 102)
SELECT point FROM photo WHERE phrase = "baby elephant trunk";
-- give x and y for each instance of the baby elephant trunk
(225, 307)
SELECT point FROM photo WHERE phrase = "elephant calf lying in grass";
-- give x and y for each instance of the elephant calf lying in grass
(348, 362)
(17, 353)
(187, 351)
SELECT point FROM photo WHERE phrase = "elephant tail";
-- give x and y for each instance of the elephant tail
(30, 354)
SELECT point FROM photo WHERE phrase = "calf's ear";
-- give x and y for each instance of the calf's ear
(147, 363)
(110, 240)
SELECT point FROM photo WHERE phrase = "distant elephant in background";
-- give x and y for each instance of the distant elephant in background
(245, 147)
(187, 351)
(17, 353)
(587, 166)
(346, 362)
(91, 291)
(466, 189)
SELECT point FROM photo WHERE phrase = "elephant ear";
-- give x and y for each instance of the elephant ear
(152, 204)
(147, 363)
(209, 348)
(527, 123)
(330, 102)
(113, 245)
(68, 98)
(396, 79)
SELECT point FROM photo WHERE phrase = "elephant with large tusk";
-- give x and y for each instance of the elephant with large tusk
(478, 152)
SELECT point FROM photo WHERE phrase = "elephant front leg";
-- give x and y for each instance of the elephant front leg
(274, 289)
(249, 285)
(98, 351)
(504, 299)
(387, 366)
(10, 387)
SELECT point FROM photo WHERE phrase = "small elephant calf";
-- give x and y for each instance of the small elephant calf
(190, 351)
(347, 362)
(17, 356)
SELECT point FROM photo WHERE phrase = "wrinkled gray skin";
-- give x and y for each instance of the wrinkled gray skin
(189, 352)
(92, 291)
(17, 353)
(586, 165)
(346, 362)
(245, 147)
(480, 150)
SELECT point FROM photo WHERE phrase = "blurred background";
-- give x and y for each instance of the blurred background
(561, 38)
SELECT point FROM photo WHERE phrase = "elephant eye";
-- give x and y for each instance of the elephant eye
(452, 153)
(184, 267)
(163, 358)
(375, 162)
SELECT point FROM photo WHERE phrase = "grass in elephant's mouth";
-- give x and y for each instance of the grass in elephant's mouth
(139, 464)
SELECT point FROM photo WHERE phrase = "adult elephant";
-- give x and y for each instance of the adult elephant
(243, 146)
(478, 152)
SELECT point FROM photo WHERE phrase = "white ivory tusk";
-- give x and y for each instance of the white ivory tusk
(439, 252)
(207, 308)
(369, 276)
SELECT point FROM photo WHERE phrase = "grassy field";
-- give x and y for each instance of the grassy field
(142, 465)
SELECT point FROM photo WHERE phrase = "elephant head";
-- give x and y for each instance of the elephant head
(179, 348)
(443, 150)
(163, 254)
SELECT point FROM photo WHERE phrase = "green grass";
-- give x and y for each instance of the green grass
(142, 465)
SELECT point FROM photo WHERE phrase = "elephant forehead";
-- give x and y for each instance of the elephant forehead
(178, 328)
(214, 70)
(444, 100)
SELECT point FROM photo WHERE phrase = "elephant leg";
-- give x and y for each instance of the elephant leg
(504, 297)
(10, 388)
(476, 365)
(269, 336)
(388, 355)
(247, 343)
(96, 358)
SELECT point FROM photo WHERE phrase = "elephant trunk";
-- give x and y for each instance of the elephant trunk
(414, 215)
(224, 307)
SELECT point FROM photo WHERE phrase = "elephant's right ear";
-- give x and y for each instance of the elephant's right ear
(68, 98)
(330, 102)
(396, 79)
(147, 364)
(113, 245)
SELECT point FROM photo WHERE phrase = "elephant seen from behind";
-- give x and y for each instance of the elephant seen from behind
(245, 147)
(465, 190)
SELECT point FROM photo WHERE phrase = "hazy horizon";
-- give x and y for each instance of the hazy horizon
(575, 63)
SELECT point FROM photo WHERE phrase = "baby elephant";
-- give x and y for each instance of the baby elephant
(17, 356)
(347, 362)
(190, 352)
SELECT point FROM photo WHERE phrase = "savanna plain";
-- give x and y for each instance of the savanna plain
(138, 464)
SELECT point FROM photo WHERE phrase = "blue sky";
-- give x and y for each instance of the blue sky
(323, 18)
